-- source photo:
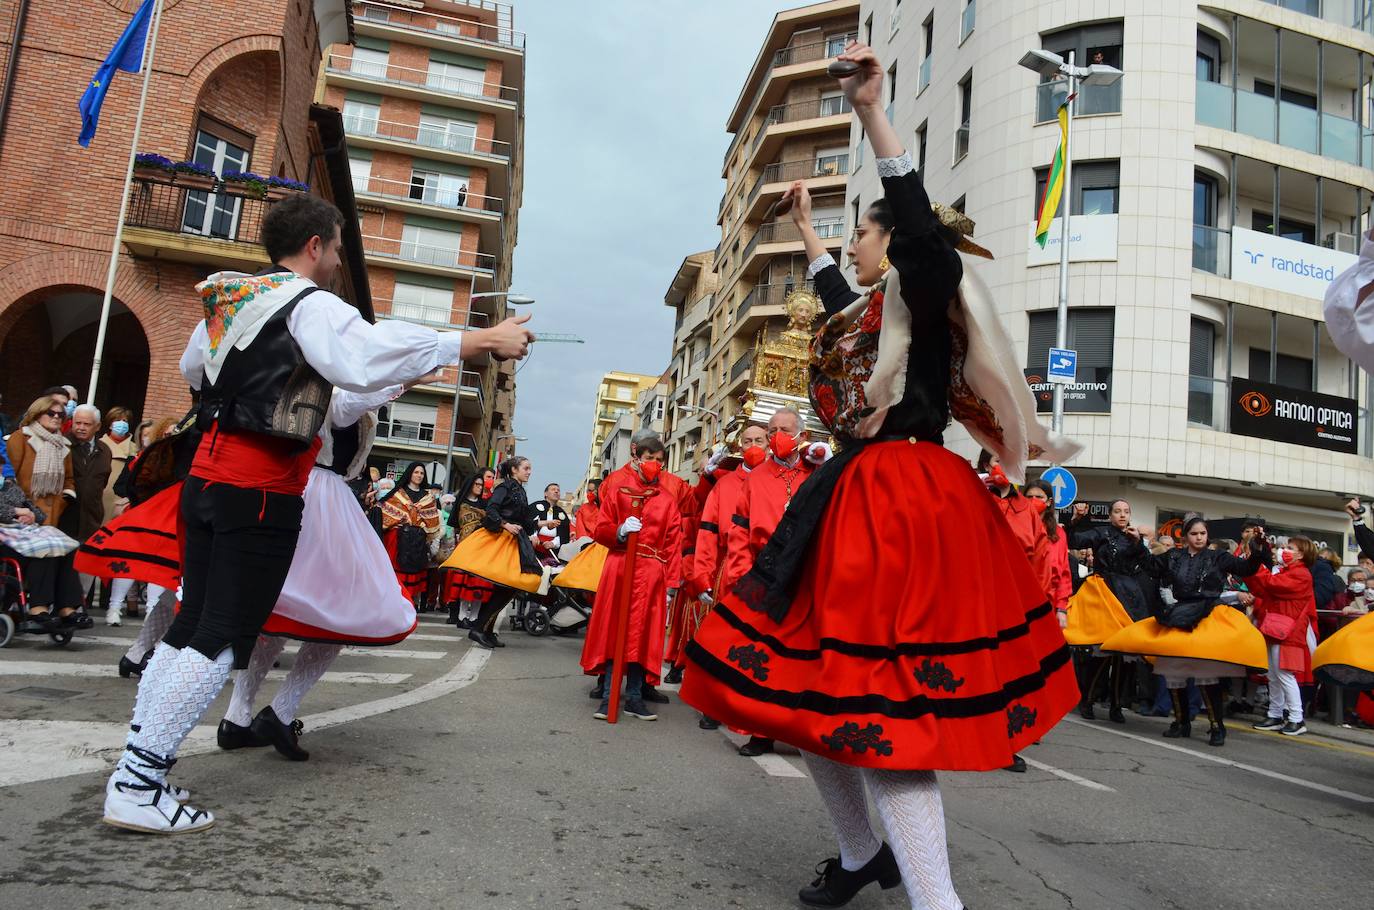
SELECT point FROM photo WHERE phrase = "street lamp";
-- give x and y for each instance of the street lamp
(496, 443)
(1050, 65)
(511, 298)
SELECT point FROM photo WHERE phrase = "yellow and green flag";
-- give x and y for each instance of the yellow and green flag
(1054, 186)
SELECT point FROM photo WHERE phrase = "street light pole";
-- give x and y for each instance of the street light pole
(511, 297)
(1061, 322)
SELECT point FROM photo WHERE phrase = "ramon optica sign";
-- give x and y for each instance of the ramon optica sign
(1305, 418)
(1285, 265)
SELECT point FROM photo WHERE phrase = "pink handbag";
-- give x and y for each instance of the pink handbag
(1276, 626)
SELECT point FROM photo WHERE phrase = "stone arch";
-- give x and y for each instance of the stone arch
(240, 84)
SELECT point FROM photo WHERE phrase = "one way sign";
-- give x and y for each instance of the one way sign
(1063, 365)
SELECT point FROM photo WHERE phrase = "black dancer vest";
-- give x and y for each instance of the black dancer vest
(347, 441)
(268, 387)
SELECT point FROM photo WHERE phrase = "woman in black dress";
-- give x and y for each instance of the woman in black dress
(880, 674)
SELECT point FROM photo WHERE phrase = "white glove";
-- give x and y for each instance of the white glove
(628, 527)
(706, 598)
(819, 453)
(721, 453)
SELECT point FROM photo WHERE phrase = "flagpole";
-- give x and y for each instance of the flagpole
(1061, 321)
(148, 51)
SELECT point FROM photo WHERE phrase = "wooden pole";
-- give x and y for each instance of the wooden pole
(622, 607)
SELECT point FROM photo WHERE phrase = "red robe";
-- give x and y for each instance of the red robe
(1288, 593)
(717, 516)
(584, 523)
(763, 498)
(658, 567)
(1029, 527)
(680, 625)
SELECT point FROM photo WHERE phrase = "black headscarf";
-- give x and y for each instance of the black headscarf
(404, 480)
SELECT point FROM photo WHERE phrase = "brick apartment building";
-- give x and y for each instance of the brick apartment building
(231, 92)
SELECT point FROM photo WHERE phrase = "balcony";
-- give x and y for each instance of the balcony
(434, 260)
(432, 317)
(472, 401)
(420, 198)
(1355, 14)
(437, 30)
(741, 366)
(434, 143)
(1290, 125)
(1212, 250)
(763, 302)
(785, 120)
(775, 237)
(426, 87)
(1092, 99)
(824, 173)
(197, 226)
(818, 50)
(409, 436)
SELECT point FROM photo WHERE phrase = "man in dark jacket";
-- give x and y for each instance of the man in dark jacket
(91, 467)
(547, 513)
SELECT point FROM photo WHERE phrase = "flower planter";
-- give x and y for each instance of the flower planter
(195, 181)
(278, 193)
(150, 174)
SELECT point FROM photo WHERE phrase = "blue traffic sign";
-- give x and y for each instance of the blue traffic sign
(1064, 484)
(1063, 365)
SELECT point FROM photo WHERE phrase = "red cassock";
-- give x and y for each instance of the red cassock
(680, 611)
(1029, 527)
(658, 567)
(763, 498)
(1290, 594)
(1061, 573)
(717, 516)
(584, 523)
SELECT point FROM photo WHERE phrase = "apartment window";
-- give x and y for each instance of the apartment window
(1208, 58)
(921, 150)
(1206, 236)
(1289, 371)
(361, 117)
(833, 103)
(430, 245)
(369, 62)
(895, 21)
(1202, 341)
(1288, 228)
(968, 19)
(622, 393)
(832, 162)
(961, 135)
(835, 44)
(927, 42)
(1097, 43)
(868, 30)
(1291, 95)
(222, 149)
(421, 303)
(1091, 335)
(891, 84)
(446, 133)
(407, 421)
(454, 77)
(361, 169)
(1096, 187)
(854, 211)
(447, 190)
(959, 204)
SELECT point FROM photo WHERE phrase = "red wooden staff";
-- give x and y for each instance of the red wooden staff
(622, 616)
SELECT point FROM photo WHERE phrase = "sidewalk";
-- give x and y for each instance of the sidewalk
(1320, 726)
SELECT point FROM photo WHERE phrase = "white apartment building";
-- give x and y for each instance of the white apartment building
(1216, 190)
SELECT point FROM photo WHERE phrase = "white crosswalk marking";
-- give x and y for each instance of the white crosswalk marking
(381, 651)
(98, 671)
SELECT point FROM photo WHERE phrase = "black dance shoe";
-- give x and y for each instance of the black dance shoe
(835, 887)
(1217, 736)
(674, 676)
(708, 723)
(1085, 711)
(128, 668)
(496, 640)
(1179, 730)
(757, 745)
(282, 737)
(650, 694)
(231, 736)
(1116, 716)
(483, 639)
(1018, 765)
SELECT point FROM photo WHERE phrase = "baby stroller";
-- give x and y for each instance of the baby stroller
(559, 611)
(14, 604)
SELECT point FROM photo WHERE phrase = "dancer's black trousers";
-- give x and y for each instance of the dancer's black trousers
(237, 547)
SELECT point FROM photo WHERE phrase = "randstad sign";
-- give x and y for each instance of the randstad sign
(1285, 265)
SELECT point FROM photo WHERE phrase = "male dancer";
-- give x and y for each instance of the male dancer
(263, 361)
(764, 496)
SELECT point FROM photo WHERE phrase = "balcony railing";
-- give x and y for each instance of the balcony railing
(769, 295)
(1092, 99)
(1212, 250)
(1351, 13)
(418, 78)
(447, 257)
(405, 431)
(426, 136)
(967, 21)
(741, 366)
(426, 194)
(802, 169)
(802, 110)
(429, 315)
(818, 50)
(1288, 124)
(163, 206)
(445, 26)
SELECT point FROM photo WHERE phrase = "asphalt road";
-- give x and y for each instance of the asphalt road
(448, 777)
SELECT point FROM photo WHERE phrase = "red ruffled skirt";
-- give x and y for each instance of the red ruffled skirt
(464, 586)
(414, 584)
(142, 543)
(918, 639)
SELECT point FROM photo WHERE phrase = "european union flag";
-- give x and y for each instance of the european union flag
(126, 55)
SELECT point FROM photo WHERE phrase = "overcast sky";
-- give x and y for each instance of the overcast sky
(624, 134)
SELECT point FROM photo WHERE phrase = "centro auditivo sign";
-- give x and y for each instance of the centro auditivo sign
(1305, 418)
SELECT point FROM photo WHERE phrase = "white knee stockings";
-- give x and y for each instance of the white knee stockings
(311, 662)
(156, 620)
(173, 693)
(913, 815)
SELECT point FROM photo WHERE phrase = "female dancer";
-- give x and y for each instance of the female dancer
(157, 615)
(879, 674)
(410, 521)
(1121, 591)
(500, 550)
(1285, 609)
(464, 592)
(1061, 573)
(1192, 639)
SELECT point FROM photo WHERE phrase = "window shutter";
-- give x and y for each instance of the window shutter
(1090, 334)
(1201, 348)
(1041, 340)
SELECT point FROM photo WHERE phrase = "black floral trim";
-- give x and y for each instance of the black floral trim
(949, 707)
(120, 567)
(883, 652)
(98, 553)
(937, 676)
(751, 659)
(1019, 718)
(849, 736)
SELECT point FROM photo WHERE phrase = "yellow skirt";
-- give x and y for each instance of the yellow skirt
(495, 557)
(1225, 636)
(1347, 658)
(584, 572)
(1095, 614)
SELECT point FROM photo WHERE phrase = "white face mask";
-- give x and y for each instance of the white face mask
(1357, 587)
